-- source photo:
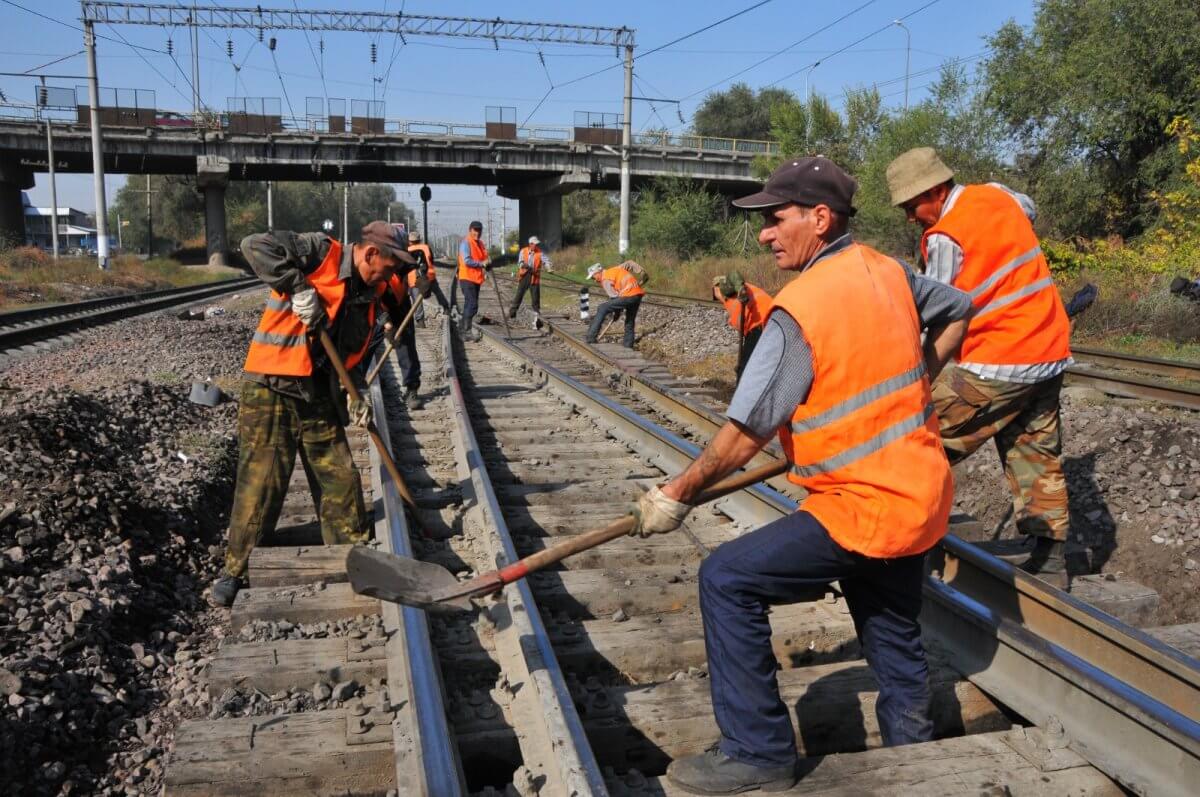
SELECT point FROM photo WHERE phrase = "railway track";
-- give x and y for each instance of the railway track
(589, 679)
(1131, 376)
(22, 331)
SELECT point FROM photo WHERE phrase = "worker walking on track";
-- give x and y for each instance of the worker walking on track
(425, 268)
(623, 284)
(473, 263)
(848, 393)
(290, 399)
(747, 306)
(980, 239)
(529, 277)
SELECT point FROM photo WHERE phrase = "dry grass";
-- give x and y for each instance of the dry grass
(1136, 313)
(29, 275)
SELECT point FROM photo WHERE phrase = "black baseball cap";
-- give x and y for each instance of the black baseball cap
(475, 225)
(806, 181)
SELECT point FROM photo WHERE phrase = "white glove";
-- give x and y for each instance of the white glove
(658, 514)
(359, 412)
(307, 305)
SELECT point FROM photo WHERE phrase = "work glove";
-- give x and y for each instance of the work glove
(306, 304)
(423, 285)
(658, 514)
(359, 411)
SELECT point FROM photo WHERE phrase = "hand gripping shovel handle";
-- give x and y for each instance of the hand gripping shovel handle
(348, 384)
(395, 336)
(488, 583)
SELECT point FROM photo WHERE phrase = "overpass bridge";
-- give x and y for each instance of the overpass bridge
(536, 167)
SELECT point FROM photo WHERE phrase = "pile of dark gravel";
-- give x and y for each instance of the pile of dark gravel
(108, 505)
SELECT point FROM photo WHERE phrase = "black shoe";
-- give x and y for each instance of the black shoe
(713, 772)
(225, 589)
(412, 400)
(1048, 561)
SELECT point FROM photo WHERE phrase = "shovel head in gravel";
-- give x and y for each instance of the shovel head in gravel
(399, 579)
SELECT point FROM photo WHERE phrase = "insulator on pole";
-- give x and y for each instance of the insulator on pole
(321, 44)
(271, 44)
(373, 52)
(170, 46)
(229, 47)
(260, 35)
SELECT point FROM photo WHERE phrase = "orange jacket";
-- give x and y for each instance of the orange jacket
(431, 273)
(280, 344)
(757, 307)
(625, 283)
(1020, 318)
(865, 444)
(534, 258)
(471, 273)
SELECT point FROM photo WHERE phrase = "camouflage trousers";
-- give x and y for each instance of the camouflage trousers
(1024, 422)
(272, 429)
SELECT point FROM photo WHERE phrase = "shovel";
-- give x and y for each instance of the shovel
(425, 585)
(395, 336)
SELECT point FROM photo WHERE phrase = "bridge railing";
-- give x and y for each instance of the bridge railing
(280, 124)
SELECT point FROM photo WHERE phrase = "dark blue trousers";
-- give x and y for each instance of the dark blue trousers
(470, 292)
(774, 565)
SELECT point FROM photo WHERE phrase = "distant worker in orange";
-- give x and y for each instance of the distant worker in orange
(747, 306)
(530, 262)
(623, 284)
(473, 263)
(425, 268)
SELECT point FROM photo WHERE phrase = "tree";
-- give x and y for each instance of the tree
(590, 217)
(678, 216)
(1086, 95)
(739, 112)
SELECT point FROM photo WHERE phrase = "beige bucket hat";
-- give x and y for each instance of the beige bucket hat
(914, 173)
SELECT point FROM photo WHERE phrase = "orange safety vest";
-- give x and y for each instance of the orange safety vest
(625, 283)
(757, 307)
(1020, 318)
(471, 273)
(431, 273)
(536, 265)
(280, 344)
(865, 444)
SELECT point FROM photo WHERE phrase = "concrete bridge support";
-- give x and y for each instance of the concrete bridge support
(212, 177)
(13, 179)
(541, 216)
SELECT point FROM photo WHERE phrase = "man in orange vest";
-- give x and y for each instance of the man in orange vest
(473, 264)
(848, 394)
(530, 261)
(980, 239)
(747, 306)
(623, 284)
(427, 268)
(290, 398)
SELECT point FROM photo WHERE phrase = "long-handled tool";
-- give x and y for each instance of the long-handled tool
(503, 307)
(348, 385)
(426, 585)
(391, 344)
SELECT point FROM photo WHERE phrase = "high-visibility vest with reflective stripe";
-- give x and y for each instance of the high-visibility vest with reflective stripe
(280, 346)
(1020, 318)
(624, 282)
(472, 273)
(757, 307)
(431, 273)
(865, 444)
(530, 260)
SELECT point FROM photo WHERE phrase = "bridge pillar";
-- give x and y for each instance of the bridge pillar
(212, 176)
(541, 216)
(13, 179)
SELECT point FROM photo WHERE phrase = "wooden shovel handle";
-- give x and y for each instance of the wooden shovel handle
(621, 527)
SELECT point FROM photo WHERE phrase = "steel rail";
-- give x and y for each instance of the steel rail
(426, 758)
(1127, 702)
(24, 335)
(23, 316)
(578, 770)
(1118, 384)
(1176, 369)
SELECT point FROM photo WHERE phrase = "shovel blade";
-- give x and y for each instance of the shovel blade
(399, 579)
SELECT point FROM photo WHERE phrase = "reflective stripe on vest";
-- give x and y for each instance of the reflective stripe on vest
(1020, 318)
(279, 303)
(478, 253)
(271, 339)
(865, 444)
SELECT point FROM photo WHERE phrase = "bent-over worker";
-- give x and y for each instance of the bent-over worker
(848, 394)
(427, 268)
(747, 306)
(623, 284)
(530, 261)
(290, 395)
(980, 239)
(473, 262)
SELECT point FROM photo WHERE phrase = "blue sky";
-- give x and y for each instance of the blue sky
(440, 79)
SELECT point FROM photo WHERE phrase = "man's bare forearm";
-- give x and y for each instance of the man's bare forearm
(731, 448)
(942, 345)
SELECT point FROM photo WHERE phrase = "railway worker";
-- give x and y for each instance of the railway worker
(406, 343)
(848, 394)
(747, 306)
(427, 268)
(290, 396)
(980, 239)
(473, 263)
(623, 284)
(530, 261)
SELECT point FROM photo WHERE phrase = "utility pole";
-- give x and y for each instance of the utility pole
(195, 31)
(89, 44)
(120, 238)
(907, 57)
(270, 206)
(345, 213)
(53, 182)
(626, 143)
(149, 221)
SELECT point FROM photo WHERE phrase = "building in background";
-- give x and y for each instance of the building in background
(75, 229)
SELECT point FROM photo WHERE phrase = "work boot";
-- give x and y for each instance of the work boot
(1048, 561)
(225, 589)
(713, 772)
(412, 400)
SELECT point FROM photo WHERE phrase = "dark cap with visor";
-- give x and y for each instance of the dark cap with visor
(805, 181)
(388, 238)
